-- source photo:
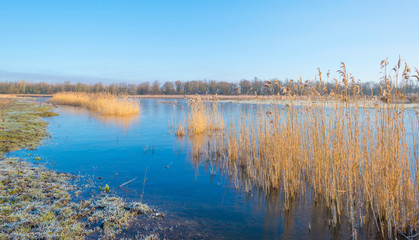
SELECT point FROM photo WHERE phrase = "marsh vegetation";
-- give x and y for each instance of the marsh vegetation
(357, 161)
(102, 103)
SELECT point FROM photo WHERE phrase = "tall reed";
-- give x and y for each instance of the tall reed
(355, 159)
(203, 116)
(102, 103)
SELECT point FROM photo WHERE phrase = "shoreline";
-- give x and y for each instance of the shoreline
(238, 98)
(37, 202)
(250, 99)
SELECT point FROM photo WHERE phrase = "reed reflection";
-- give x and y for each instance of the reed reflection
(123, 122)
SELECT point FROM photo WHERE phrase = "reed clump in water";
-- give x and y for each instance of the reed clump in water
(355, 159)
(102, 103)
(180, 130)
(203, 116)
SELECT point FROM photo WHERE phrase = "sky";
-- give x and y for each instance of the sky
(224, 40)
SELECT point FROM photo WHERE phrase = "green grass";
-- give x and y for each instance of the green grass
(21, 124)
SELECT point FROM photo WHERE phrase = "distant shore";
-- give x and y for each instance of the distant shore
(247, 99)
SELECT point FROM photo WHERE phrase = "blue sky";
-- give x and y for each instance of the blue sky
(136, 41)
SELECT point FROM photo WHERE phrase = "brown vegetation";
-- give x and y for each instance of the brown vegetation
(103, 103)
(203, 116)
(356, 160)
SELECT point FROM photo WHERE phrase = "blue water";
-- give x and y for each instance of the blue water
(197, 204)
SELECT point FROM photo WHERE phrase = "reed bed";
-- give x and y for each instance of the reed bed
(102, 103)
(357, 160)
(203, 117)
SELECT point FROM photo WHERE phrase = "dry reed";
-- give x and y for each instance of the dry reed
(203, 116)
(356, 160)
(102, 103)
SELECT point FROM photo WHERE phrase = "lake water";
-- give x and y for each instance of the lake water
(198, 203)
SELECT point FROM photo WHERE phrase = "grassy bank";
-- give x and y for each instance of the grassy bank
(21, 125)
(38, 203)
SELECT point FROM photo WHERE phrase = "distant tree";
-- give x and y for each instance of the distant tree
(22, 87)
(155, 88)
(179, 87)
(409, 87)
(193, 87)
(245, 87)
(257, 86)
(224, 88)
(186, 88)
(143, 88)
(168, 88)
(212, 87)
(234, 89)
(98, 87)
(202, 87)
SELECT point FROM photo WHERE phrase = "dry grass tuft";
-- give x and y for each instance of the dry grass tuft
(102, 103)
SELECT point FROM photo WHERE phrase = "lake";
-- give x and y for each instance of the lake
(198, 200)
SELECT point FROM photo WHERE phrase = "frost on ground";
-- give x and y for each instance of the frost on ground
(36, 203)
(21, 124)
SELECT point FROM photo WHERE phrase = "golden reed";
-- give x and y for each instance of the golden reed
(102, 103)
(356, 159)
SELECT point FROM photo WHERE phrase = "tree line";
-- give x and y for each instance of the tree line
(243, 87)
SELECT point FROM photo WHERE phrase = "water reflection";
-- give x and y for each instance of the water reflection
(123, 122)
(253, 175)
(304, 216)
